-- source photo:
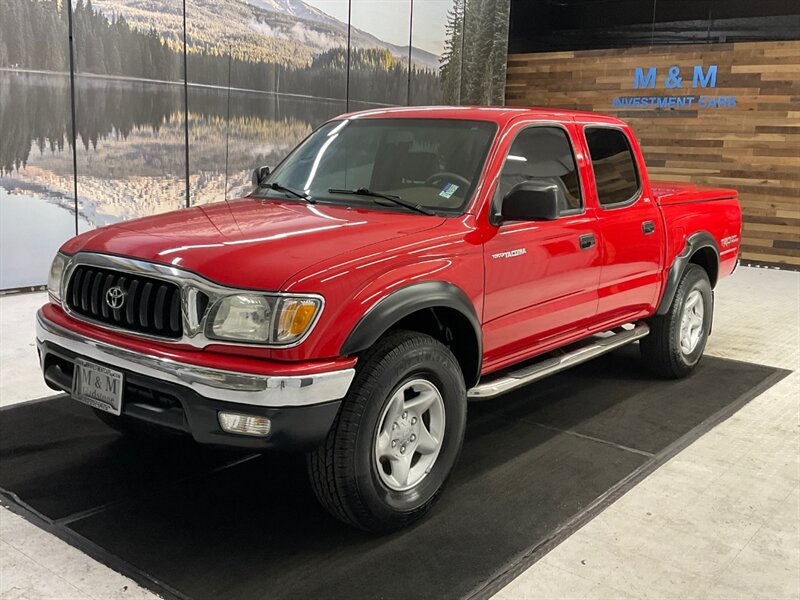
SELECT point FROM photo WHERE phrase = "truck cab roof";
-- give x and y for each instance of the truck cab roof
(497, 114)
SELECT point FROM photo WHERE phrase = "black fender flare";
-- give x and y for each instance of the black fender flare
(695, 242)
(405, 301)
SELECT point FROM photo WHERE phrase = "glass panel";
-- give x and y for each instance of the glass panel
(208, 68)
(452, 58)
(435, 163)
(681, 22)
(129, 111)
(285, 66)
(473, 64)
(614, 167)
(265, 128)
(485, 52)
(587, 25)
(745, 21)
(37, 205)
(379, 36)
(431, 21)
(542, 154)
(279, 103)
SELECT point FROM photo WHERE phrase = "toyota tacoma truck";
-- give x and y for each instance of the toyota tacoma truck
(395, 265)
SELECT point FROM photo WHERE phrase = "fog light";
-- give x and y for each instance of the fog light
(244, 424)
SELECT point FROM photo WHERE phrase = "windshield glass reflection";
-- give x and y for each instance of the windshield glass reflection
(430, 163)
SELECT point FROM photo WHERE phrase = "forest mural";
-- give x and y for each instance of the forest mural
(473, 64)
(244, 82)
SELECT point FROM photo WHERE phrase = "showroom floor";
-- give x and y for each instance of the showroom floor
(720, 520)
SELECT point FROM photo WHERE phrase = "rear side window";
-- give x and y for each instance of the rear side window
(614, 166)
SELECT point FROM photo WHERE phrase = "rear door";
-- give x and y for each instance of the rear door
(540, 276)
(632, 236)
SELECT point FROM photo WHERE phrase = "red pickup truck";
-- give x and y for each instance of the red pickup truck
(396, 264)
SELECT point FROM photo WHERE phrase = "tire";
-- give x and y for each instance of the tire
(668, 351)
(400, 374)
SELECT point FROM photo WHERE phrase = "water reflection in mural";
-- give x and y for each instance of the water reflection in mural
(130, 149)
(37, 200)
(262, 129)
(261, 76)
(129, 115)
(130, 139)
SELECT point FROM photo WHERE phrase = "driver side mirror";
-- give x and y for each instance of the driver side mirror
(259, 175)
(532, 201)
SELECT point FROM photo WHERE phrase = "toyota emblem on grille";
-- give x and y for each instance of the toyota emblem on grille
(115, 297)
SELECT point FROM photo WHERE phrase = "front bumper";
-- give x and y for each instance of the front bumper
(186, 397)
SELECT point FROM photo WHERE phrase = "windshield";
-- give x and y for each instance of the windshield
(433, 163)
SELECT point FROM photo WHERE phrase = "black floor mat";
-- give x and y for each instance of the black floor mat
(201, 523)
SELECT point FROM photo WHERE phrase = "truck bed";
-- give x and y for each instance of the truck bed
(689, 208)
(676, 192)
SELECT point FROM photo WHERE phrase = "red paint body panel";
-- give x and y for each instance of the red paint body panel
(673, 192)
(356, 281)
(721, 218)
(552, 294)
(548, 294)
(632, 262)
(250, 243)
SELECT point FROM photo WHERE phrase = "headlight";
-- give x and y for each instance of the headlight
(263, 319)
(54, 280)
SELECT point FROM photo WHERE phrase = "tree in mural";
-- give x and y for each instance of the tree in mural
(34, 34)
(473, 65)
(450, 69)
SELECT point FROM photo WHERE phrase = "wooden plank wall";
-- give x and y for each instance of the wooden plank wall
(754, 147)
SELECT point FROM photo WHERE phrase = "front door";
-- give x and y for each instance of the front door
(541, 276)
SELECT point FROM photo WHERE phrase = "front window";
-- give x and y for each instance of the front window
(433, 163)
(542, 154)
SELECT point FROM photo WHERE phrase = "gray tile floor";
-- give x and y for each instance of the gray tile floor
(720, 520)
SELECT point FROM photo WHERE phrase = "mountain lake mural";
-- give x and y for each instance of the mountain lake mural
(259, 76)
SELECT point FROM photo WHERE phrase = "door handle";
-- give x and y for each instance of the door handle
(648, 227)
(587, 241)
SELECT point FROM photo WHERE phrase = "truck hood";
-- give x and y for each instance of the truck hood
(251, 243)
(675, 192)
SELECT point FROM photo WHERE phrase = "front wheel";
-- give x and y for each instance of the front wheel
(677, 339)
(397, 436)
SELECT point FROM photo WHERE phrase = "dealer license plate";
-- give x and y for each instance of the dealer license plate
(97, 386)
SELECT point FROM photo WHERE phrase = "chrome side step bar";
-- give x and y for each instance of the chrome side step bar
(595, 347)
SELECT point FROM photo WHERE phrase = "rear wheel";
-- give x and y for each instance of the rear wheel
(677, 339)
(396, 437)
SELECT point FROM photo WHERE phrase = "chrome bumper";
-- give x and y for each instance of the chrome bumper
(227, 386)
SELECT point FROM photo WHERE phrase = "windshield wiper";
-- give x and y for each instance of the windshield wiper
(390, 197)
(282, 188)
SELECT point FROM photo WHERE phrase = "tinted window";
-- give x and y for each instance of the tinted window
(551, 25)
(432, 162)
(614, 166)
(541, 154)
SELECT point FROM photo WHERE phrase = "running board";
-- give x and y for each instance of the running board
(595, 347)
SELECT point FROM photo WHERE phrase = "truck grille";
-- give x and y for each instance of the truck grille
(147, 305)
